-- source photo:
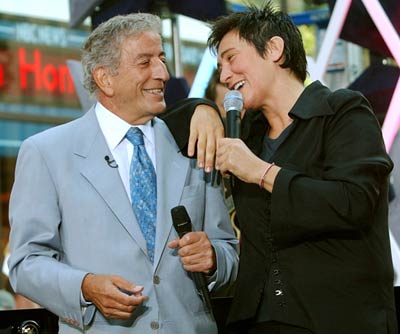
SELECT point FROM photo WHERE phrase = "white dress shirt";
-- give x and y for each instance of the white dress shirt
(114, 130)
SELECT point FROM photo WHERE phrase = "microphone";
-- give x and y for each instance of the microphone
(110, 163)
(183, 225)
(233, 104)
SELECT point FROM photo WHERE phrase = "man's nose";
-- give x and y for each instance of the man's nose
(160, 71)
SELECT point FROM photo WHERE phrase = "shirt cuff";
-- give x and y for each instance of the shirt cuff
(84, 302)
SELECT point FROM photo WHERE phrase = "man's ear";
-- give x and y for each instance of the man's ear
(103, 79)
(275, 48)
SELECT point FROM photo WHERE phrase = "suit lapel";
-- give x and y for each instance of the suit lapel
(104, 179)
(172, 169)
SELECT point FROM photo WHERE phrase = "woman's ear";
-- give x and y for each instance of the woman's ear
(275, 48)
(103, 80)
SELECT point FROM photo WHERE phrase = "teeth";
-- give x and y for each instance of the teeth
(155, 91)
(239, 85)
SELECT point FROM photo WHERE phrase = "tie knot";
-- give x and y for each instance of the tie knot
(135, 136)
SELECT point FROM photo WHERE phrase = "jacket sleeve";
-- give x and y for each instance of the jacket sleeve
(178, 116)
(219, 229)
(35, 245)
(348, 192)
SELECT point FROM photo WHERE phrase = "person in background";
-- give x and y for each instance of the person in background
(215, 91)
(91, 230)
(7, 301)
(311, 189)
(19, 301)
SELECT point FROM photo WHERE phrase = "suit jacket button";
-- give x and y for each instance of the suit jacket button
(154, 325)
(156, 279)
(278, 292)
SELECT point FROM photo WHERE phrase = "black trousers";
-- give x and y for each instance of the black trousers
(272, 327)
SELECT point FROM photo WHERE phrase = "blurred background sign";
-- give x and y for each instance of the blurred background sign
(360, 29)
(102, 10)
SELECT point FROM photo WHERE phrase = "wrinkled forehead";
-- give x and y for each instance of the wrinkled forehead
(143, 39)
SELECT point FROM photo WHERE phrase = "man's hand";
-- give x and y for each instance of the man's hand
(206, 128)
(113, 296)
(196, 252)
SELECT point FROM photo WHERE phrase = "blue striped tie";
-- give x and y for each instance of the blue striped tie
(143, 184)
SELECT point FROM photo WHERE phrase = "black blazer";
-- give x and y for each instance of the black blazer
(316, 253)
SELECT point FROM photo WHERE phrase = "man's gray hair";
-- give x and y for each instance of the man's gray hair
(103, 46)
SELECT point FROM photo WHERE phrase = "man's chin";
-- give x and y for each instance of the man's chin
(159, 111)
(161, 107)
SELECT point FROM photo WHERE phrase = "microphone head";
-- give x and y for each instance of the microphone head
(233, 100)
(181, 220)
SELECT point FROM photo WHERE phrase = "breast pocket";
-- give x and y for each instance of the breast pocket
(193, 199)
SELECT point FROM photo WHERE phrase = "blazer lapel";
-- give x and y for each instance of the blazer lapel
(172, 168)
(105, 179)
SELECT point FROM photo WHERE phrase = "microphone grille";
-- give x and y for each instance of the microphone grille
(233, 100)
(179, 214)
(181, 220)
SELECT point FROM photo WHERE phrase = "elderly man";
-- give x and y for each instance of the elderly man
(91, 231)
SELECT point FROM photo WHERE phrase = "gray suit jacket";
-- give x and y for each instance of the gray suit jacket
(70, 215)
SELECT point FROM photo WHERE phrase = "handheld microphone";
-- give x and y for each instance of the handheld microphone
(183, 225)
(233, 104)
(110, 163)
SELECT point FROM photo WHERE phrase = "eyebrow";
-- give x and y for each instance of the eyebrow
(227, 50)
(149, 55)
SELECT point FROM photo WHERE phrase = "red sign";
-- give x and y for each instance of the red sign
(40, 74)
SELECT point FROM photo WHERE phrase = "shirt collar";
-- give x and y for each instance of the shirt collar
(313, 102)
(115, 128)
